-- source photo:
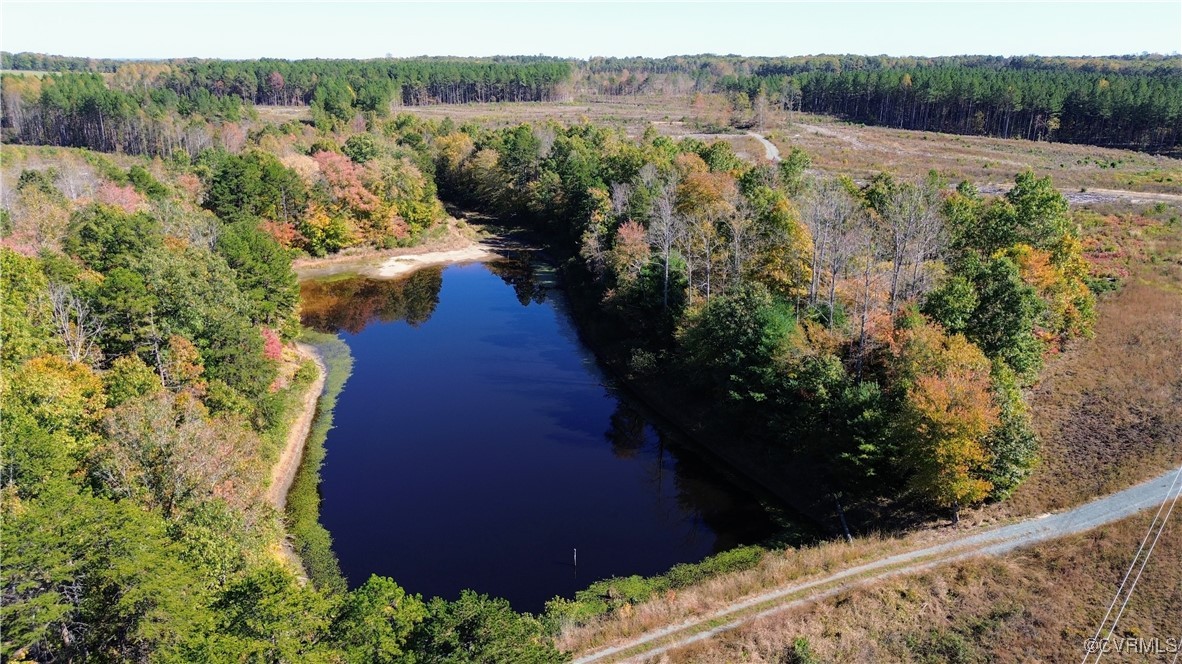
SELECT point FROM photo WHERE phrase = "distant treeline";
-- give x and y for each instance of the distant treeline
(1140, 111)
(271, 81)
(1121, 101)
(159, 107)
(1127, 101)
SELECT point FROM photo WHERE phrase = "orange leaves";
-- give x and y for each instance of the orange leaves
(284, 233)
(1057, 276)
(1035, 266)
(630, 251)
(949, 407)
(345, 181)
(707, 195)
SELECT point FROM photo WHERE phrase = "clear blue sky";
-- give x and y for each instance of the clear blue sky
(366, 30)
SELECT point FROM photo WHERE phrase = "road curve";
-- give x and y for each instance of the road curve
(770, 150)
(994, 541)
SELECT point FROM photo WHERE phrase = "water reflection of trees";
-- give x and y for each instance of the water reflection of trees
(353, 303)
(517, 271)
(700, 493)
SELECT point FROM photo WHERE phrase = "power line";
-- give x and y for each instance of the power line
(1145, 561)
(1100, 629)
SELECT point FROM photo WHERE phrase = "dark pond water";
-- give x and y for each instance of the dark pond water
(477, 444)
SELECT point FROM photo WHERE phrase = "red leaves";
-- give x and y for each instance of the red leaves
(272, 344)
(345, 181)
(125, 197)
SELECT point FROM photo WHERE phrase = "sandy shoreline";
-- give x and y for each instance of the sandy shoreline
(396, 266)
(284, 471)
(387, 266)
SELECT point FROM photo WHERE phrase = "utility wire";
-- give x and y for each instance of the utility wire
(1144, 561)
(1100, 629)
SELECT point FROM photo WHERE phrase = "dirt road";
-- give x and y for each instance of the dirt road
(284, 471)
(990, 542)
(770, 150)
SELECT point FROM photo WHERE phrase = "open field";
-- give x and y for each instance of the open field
(836, 146)
(862, 151)
(1039, 603)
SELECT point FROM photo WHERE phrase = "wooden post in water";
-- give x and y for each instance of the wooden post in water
(576, 557)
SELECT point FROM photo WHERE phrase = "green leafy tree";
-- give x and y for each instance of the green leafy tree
(268, 617)
(375, 621)
(952, 304)
(333, 100)
(792, 170)
(262, 270)
(478, 628)
(87, 579)
(1012, 444)
(106, 237)
(254, 186)
(129, 378)
(735, 340)
(361, 148)
(1007, 311)
(26, 325)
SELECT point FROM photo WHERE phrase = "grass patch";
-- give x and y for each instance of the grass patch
(313, 543)
(1109, 410)
(619, 594)
(1034, 604)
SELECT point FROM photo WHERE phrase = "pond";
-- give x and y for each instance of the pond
(478, 445)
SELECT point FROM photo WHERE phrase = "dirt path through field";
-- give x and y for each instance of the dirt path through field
(994, 541)
(769, 148)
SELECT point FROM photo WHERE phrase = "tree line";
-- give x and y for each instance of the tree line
(1140, 111)
(1131, 101)
(144, 394)
(881, 332)
(160, 109)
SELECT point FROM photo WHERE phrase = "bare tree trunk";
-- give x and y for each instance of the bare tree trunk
(77, 324)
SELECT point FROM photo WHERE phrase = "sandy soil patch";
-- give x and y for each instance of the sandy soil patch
(396, 266)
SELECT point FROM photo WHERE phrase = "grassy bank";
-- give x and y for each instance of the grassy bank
(1034, 604)
(312, 542)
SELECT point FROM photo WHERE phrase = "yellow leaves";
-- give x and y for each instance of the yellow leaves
(949, 403)
(63, 397)
(1034, 265)
(688, 163)
(454, 150)
(183, 366)
(1058, 278)
(706, 195)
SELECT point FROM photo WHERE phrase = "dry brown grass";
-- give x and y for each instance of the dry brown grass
(1109, 410)
(862, 151)
(1035, 604)
(777, 568)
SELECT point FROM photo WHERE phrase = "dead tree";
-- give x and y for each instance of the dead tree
(76, 323)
